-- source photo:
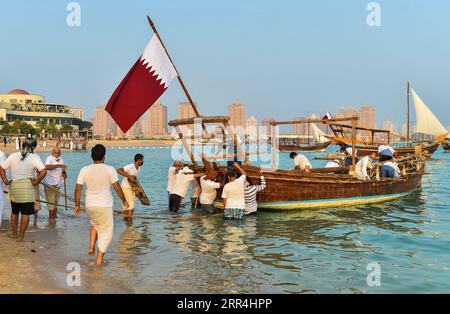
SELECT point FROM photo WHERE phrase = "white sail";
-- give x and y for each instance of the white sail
(319, 135)
(426, 121)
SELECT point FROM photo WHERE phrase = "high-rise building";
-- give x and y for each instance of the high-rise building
(157, 120)
(237, 116)
(103, 123)
(185, 111)
(389, 126)
(78, 113)
(346, 113)
(367, 117)
(252, 127)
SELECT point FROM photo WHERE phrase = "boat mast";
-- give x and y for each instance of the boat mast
(408, 113)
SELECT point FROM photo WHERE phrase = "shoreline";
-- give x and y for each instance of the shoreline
(11, 148)
(22, 265)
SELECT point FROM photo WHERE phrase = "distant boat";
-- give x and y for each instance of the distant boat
(295, 143)
(426, 123)
(446, 145)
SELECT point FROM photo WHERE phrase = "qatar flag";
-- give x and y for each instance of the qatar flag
(147, 80)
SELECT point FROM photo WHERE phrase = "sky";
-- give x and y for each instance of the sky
(282, 59)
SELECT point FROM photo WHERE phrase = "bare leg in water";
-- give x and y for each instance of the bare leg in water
(24, 220)
(14, 224)
(100, 258)
(94, 237)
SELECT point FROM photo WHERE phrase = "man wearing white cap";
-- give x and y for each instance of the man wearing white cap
(349, 156)
(183, 180)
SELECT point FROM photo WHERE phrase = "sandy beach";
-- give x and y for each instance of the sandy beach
(22, 265)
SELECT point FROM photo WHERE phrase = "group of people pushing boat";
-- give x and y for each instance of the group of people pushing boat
(238, 191)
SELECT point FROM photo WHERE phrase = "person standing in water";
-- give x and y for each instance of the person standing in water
(129, 174)
(98, 178)
(171, 177)
(56, 174)
(2, 160)
(233, 194)
(23, 166)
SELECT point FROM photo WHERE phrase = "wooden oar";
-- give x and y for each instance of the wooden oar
(65, 192)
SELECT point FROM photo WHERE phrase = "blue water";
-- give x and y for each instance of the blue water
(310, 251)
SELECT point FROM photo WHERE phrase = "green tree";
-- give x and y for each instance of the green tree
(15, 128)
(51, 129)
(6, 128)
(67, 129)
(25, 128)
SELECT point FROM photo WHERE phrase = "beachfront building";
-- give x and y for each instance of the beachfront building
(78, 113)
(18, 104)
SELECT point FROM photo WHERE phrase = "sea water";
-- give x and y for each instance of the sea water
(308, 251)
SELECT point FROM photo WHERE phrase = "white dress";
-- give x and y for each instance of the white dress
(2, 159)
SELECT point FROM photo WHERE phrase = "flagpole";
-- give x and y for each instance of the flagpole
(194, 107)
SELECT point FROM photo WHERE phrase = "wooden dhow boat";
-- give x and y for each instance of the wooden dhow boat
(446, 145)
(321, 188)
(426, 123)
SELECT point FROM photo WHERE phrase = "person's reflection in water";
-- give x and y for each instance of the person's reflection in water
(235, 249)
(134, 242)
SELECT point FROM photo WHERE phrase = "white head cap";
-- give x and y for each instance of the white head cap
(349, 150)
(186, 170)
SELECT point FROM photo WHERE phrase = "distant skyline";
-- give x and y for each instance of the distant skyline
(282, 59)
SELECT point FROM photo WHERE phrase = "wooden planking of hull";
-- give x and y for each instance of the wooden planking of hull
(427, 149)
(289, 190)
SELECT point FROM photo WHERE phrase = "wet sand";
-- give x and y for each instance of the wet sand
(22, 265)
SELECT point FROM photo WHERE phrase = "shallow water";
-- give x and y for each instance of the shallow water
(318, 251)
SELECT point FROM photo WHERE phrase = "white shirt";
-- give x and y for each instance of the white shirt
(302, 162)
(384, 147)
(332, 164)
(54, 177)
(234, 192)
(361, 168)
(171, 177)
(98, 179)
(182, 182)
(131, 170)
(209, 191)
(23, 169)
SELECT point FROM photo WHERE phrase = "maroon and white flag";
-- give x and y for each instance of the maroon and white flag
(147, 80)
